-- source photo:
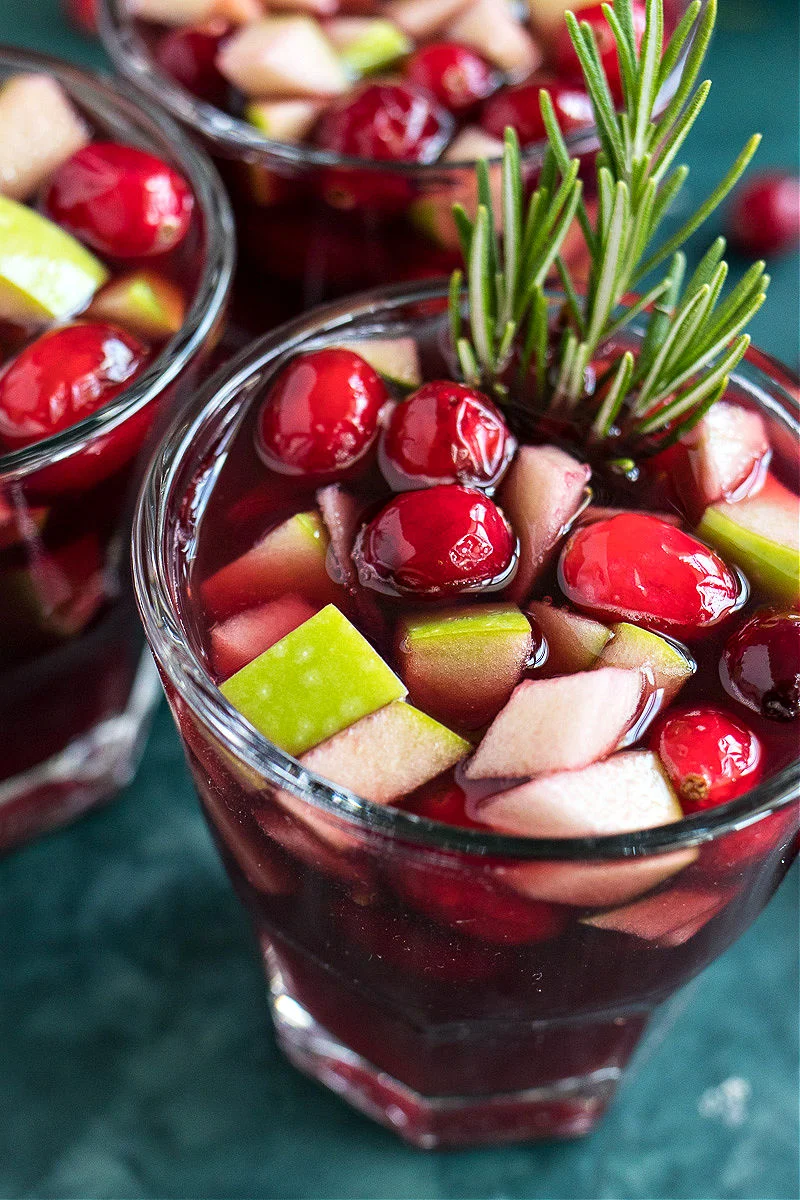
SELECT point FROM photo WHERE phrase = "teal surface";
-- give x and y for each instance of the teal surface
(135, 1054)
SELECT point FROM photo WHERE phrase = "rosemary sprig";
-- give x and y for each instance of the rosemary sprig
(693, 337)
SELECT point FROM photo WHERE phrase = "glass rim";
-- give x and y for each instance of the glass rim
(187, 675)
(91, 91)
(231, 135)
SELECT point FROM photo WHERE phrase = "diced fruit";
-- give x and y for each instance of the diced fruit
(436, 542)
(637, 568)
(262, 866)
(367, 44)
(144, 302)
(490, 27)
(120, 201)
(765, 215)
(283, 120)
(39, 130)
(191, 12)
(669, 918)
(541, 494)
(469, 145)
(391, 122)
(396, 359)
(567, 62)
(456, 75)
(664, 667)
(558, 724)
(283, 56)
(421, 19)
(725, 457)
(443, 801)
(574, 643)
(520, 107)
(445, 433)
(298, 829)
(462, 664)
(625, 793)
(54, 597)
(709, 756)
(64, 376)
(45, 275)
(240, 639)
(760, 666)
(321, 414)
(388, 753)
(762, 536)
(313, 683)
(290, 558)
(340, 512)
(189, 56)
(547, 16)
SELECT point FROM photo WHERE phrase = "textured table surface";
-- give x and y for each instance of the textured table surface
(135, 1054)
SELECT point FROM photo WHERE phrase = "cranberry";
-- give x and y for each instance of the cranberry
(121, 201)
(709, 756)
(435, 542)
(520, 108)
(566, 60)
(189, 57)
(321, 414)
(445, 433)
(760, 666)
(637, 567)
(392, 122)
(444, 801)
(84, 14)
(765, 215)
(457, 76)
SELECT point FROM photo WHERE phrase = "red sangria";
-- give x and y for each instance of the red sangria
(114, 269)
(478, 615)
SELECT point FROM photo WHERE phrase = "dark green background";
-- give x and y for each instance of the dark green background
(136, 1058)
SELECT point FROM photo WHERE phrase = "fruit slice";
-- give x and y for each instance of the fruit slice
(490, 27)
(725, 456)
(54, 597)
(313, 683)
(462, 664)
(290, 558)
(387, 754)
(283, 120)
(540, 495)
(669, 918)
(396, 359)
(240, 639)
(193, 12)
(574, 643)
(547, 16)
(558, 724)
(367, 44)
(420, 19)
(471, 144)
(45, 274)
(305, 834)
(627, 792)
(39, 130)
(762, 536)
(283, 56)
(665, 668)
(144, 302)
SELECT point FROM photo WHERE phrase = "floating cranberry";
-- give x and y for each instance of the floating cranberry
(121, 201)
(189, 57)
(457, 76)
(444, 801)
(636, 567)
(709, 756)
(760, 666)
(435, 542)
(392, 122)
(520, 107)
(567, 62)
(321, 414)
(445, 433)
(765, 215)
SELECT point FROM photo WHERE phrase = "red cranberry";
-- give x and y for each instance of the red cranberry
(457, 76)
(392, 122)
(760, 666)
(445, 433)
(520, 108)
(566, 60)
(321, 414)
(765, 215)
(121, 201)
(445, 802)
(637, 567)
(709, 756)
(84, 14)
(189, 57)
(435, 542)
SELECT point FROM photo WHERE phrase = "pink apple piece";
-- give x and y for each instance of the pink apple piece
(574, 643)
(668, 918)
(240, 639)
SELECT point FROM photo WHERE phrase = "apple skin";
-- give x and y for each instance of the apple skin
(665, 668)
(574, 643)
(143, 302)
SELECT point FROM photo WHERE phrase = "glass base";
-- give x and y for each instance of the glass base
(569, 1108)
(87, 772)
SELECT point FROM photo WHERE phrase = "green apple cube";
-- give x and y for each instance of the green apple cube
(762, 536)
(313, 683)
(283, 120)
(45, 274)
(144, 302)
(367, 44)
(397, 359)
(666, 668)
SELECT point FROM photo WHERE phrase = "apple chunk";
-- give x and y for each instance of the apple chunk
(724, 457)
(143, 302)
(421, 19)
(283, 57)
(367, 44)
(462, 664)
(558, 724)
(762, 536)
(284, 120)
(397, 359)
(669, 918)
(240, 639)
(665, 668)
(574, 643)
(490, 27)
(313, 683)
(39, 130)
(540, 495)
(388, 753)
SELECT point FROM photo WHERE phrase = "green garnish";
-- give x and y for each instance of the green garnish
(693, 337)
